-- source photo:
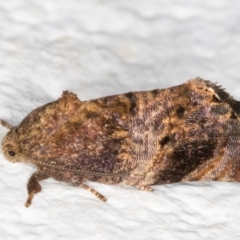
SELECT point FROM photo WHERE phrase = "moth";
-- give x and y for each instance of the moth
(184, 133)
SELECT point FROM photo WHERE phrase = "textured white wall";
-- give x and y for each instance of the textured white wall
(104, 47)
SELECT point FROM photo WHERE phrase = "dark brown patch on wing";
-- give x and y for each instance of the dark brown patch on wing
(233, 115)
(155, 93)
(220, 109)
(185, 158)
(197, 116)
(164, 140)
(235, 106)
(180, 111)
(132, 102)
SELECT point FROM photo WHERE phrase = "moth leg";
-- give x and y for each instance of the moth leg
(33, 185)
(97, 194)
(5, 124)
(144, 188)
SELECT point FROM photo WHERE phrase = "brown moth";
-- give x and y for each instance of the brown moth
(185, 133)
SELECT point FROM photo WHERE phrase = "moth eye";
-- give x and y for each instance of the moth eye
(11, 153)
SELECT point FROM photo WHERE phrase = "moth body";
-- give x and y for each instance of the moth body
(185, 133)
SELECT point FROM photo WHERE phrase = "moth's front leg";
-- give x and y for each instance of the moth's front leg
(33, 185)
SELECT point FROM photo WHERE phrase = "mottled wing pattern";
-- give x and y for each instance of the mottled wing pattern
(188, 132)
(78, 136)
(192, 135)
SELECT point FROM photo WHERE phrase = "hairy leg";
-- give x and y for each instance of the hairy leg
(93, 191)
(33, 185)
(77, 181)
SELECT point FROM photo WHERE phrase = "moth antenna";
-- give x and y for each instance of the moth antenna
(5, 124)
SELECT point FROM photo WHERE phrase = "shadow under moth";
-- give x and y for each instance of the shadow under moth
(184, 133)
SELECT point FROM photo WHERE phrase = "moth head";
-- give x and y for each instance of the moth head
(10, 146)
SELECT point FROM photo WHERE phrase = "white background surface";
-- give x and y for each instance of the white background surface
(98, 48)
